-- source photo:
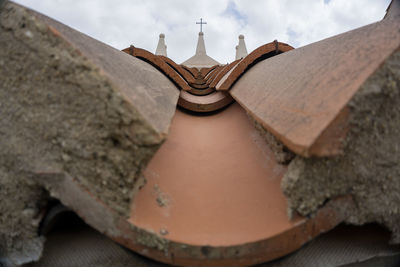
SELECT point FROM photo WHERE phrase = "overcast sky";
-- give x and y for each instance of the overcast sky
(139, 22)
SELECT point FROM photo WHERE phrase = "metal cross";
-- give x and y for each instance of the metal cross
(201, 24)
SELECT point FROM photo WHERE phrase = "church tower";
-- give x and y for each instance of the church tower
(200, 59)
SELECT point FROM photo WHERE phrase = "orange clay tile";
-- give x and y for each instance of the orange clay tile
(194, 71)
(223, 72)
(201, 91)
(160, 64)
(298, 95)
(205, 71)
(210, 72)
(215, 183)
(197, 87)
(205, 103)
(330, 142)
(213, 73)
(261, 53)
(178, 68)
(199, 84)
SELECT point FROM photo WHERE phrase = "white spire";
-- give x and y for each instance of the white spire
(237, 55)
(201, 47)
(200, 59)
(161, 47)
(241, 50)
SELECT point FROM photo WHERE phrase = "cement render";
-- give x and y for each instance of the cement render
(369, 168)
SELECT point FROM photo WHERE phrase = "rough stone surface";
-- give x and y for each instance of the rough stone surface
(70, 103)
(369, 169)
(20, 213)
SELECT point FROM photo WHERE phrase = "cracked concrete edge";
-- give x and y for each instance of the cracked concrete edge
(95, 212)
(368, 169)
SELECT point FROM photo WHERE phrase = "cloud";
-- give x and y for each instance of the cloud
(139, 22)
(232, 12)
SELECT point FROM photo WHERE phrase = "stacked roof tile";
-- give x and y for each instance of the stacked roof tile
(321, 142)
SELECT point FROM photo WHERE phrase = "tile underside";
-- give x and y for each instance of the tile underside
(213, 182)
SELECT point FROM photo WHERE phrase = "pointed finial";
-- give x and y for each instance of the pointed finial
(201, 47)
(161, 47)
(241, 50)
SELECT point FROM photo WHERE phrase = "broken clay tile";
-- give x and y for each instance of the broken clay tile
(223, 72)
(119, 74)
(243, 218)
(261, 53)
(77, 106)
(160, 64)
(369, 167)
(298, 94)
(281, 239)
(232, 202)
(162, 225)
(131, 85)
(178, 68)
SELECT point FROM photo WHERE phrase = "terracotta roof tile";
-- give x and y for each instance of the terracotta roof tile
(223, 149)
(297, 95)
(160, 64)
(210, 77)
(261, 53)
(205, 71)
(227, 76)
(199, 97)
(300, 96)
(201, 91)
(178, 68)
(222, 73)
(204, 103)
(193, 71)
(199, 83)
